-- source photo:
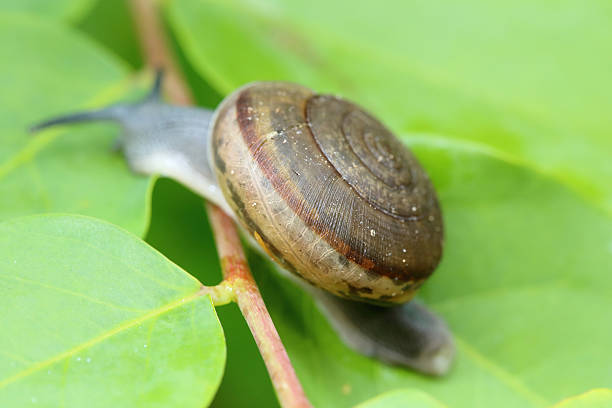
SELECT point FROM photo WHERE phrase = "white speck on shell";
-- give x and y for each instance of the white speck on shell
(373, 232)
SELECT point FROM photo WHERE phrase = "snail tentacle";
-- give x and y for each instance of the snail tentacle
(167, 140)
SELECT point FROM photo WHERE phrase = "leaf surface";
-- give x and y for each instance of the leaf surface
(94, 317)
(598, 398)
(402, 398)
(530, 79)
(180, 230)
(56, 9)
(502, 103)
(521, 286)
(49, 70)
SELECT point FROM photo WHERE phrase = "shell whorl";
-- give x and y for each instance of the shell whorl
(328, 191)
(367, 156)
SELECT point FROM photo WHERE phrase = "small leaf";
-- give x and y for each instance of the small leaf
(56, 9)
(179, 229)
(94, 317)
(48, 70)
(599, 398)
(401, 399)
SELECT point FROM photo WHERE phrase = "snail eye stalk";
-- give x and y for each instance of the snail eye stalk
(115, 113)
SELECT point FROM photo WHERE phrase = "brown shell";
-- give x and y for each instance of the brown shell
(327, 191)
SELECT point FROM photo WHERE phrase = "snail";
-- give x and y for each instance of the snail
(323, 188)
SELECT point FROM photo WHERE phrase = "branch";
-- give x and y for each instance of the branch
(238, 283)
(236, 272)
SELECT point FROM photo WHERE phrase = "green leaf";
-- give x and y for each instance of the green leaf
(506, 104)
(111, 24)
(599, 398)
(94, 317)
(524, 284)
(48, 70)
(402, 398)
(179, 229)
(56, 9)
(528, 78)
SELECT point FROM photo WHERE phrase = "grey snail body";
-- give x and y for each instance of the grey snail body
(324, 189)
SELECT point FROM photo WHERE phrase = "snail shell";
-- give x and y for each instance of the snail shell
(327, 191)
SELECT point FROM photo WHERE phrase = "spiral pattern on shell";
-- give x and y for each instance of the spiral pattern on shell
(367, 156)
(328, 191)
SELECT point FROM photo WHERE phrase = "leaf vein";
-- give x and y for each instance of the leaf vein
(72, 293)
(504, 376)
(94, 341)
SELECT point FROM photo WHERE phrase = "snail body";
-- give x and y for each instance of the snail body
(324, 189)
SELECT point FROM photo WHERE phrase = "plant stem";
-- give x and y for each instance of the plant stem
(237, 273)
(238, 283)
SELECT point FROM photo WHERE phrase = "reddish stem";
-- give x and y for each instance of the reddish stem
(236, 273)
(156, 52)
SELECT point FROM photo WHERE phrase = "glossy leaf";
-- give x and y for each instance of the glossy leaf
(48, 70)
(514, 100)
(94, 317)
(110, 23)
(524, 289)
(402, 398)
(599, 398)
(522, 173)
(56, 9)
(528, 78)
(179, 229)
